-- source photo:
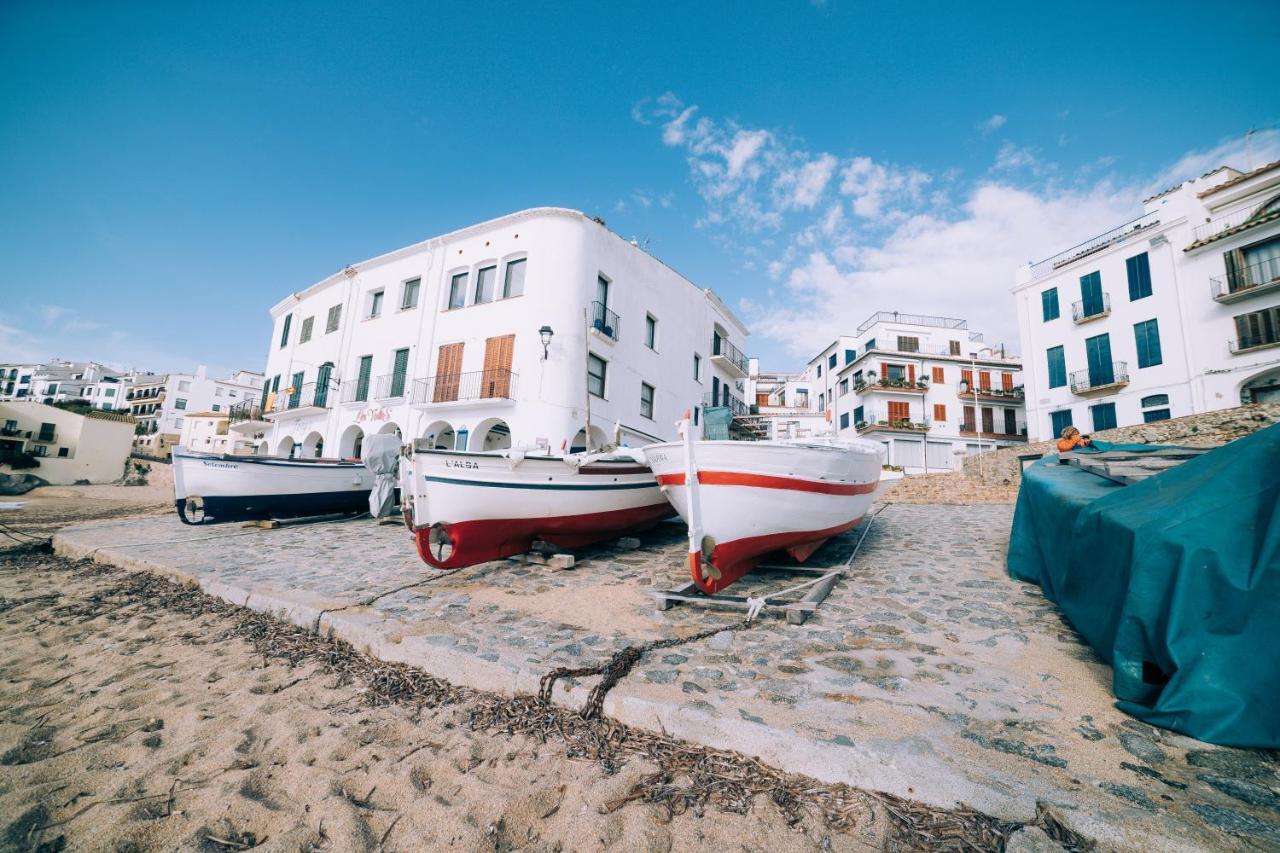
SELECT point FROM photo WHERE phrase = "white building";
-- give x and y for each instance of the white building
(925, 387)
(499, 334)
(15, 380)
(208, 432)
(781, 406)
(56, 381)
(1174, 313)
(161, 402)
(70, 448)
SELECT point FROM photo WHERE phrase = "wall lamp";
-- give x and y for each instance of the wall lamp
(545, 333)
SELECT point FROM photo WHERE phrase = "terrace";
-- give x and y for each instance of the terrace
(1119, 234)
(305, 399)
(1252, 280)
(496, 385)
(991, 395)
(729, 357)
(882, 421)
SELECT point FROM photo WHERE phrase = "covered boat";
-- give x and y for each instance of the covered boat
(743, 500)
(220, 487)
(470, 507)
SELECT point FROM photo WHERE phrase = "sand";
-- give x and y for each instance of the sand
(127, 726)
(47, 508)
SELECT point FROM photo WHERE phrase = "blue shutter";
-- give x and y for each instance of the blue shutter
(1147, 337)
(1104, 416)
(1060, 421)
(1139, 271)
(1098, 352)
(1049, 304)
(1057, 367)
(857, 416)
(1091, 293)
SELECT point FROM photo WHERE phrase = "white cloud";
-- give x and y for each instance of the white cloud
(993, 124)
(1011, 157)
(873, 186)
(1240, 152)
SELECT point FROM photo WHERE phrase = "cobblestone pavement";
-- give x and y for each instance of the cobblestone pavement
(927, 673)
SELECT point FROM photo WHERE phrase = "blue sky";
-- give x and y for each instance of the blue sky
(171, 170)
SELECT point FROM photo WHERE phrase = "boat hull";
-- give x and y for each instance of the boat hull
(220, 487)
(758, 498)
(469, 508)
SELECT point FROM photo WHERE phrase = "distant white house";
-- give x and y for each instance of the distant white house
(69, 447)
(160, 403)
(507, 333)
(207, 432)
(1173, 313)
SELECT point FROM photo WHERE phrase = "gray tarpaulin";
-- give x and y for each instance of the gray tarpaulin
(382, 457)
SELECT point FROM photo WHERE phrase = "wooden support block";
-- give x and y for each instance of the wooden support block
(560, 562)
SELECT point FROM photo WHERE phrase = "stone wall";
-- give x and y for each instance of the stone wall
(994, 477)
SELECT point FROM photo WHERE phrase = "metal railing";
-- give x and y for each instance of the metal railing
(736, 407)
(45, 437)
(1095, 244)
(1245, 343)
(1085, 380)
(912, 319)
(921, 349)
(880, 419)
(307, 395)
(390, 386)
(1208, 230)
(884, 384)
(492, 384)
(604, 321)
(1247, 278)
(10, 432)
(720, 346)
(1099, 308)
(964, 390)
(249, 410)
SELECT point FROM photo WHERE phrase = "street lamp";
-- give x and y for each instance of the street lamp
(545, 333)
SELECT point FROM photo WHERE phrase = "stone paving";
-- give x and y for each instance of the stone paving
(927, 673)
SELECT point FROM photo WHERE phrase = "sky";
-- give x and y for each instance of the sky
(170, 171)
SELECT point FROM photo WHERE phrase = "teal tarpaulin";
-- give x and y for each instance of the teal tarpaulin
(1174, 580)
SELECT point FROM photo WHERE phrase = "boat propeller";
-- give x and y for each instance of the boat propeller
(193, 511)
(439, 537)
(709, 571)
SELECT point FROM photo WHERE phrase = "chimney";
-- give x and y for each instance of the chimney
(200, 372)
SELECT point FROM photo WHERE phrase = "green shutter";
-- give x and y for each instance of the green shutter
(322, 384)
(398, 373)
(362, 383)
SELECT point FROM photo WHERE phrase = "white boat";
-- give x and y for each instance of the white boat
(470, 507)
(743, 500)
(219, 487)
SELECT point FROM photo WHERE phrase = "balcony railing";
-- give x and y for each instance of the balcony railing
(722, 348)
(10, 432)
(390, 386)
(1012, 395)
(308, 395)
(249, 410)
(919, 349)
(492, 384)
(45, 436)
(912, 320)
(1091, 309)
(604, 321)
(1095, 244)
(1245, 343)
(909, 386)
(736, 407)
(968, 429)
(1084, 381)
(1261, 277)
(1231, 223)
(874, 420)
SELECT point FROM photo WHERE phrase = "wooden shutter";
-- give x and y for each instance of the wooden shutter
(899, 411)
(939, 375)
(984, 380)
(939, 412)
(911, 373)
(969, 424)
(1006, 381)
(1010, 422)
(988, 419)
(966, 376)
(448, 373)
(496, 380)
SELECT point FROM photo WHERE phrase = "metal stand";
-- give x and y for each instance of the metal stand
(796, 611)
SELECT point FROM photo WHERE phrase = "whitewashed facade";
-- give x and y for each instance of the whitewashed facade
(444, 340)
(160, 403)
(1174, 313)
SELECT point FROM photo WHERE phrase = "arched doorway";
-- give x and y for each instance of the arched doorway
(390, 428)
(1263, 388)
(351, 442)
(264, 449)
(579, 443)
(491, 434)
(286, 447)
(441, 435)
(313, 446)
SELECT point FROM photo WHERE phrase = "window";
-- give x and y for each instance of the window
(984, 380)
(1139, 269)
(819, 371)
(844, 420)
(1010, 422)
(362, 378)
(966, 377)
(331, 323)
(305, 334)
(409, 293)
(602, 290)
(457, 291)
(180, 403)
(217, 392)
(401, 367)
(1057, 367)
(954, 348)
(1257, 329)
(939, 412)
(646, 400)
(849, 356)
(284, 332)
(106, 407)
(988, 420)
(895, 372)
(596, 370)
(1006, 381)
(844, 387)
(871, 344)
(1059, 421)
(908, 344)
(938, 374)
(486, 283)
(831, 362)
(899, 412)
(650, 332)
(375, 304)
(697, 367)
(822, 402)
(184, 386)
(1092, 301)
(1048, 306)
(1104, 416)
(216, 408)
(1155, 408)
(858, 417)
(1155, 400)
(109, 392)
(63, 451)
(1147, 336)
(513, 281)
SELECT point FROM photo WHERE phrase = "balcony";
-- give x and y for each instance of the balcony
(302, 400)
(10, 432)
(247, 418)
(604, 321)
(1253, 280)
(970, 430)
(1011, 396)
(496, 386)
(45, 436)
(391, 386)
(729, 357)
(1231, 224)
(1084, 311)
(1248, 343)
(893, 386)
(736, 407)
(1086, 382)
(880, 421)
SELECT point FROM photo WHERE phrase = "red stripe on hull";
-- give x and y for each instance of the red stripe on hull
(762, 481)
(734, 559)
(493, 539)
